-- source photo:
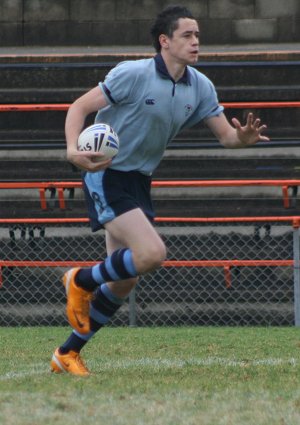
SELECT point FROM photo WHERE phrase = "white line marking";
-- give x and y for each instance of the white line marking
(162, 363)
(156, 363)
(31, 369)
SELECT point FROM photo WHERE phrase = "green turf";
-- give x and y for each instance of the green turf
(157, 376)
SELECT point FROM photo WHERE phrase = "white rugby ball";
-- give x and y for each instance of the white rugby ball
(99, 138)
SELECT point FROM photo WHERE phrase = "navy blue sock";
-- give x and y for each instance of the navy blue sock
(75, 342)
(104, 305)
(117, 266)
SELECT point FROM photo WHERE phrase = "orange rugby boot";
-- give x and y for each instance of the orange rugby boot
(78, 303)
(71, 363)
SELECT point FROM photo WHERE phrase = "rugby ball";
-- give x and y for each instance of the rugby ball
(99, 138)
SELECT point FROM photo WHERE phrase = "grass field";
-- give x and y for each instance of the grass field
(157, 376)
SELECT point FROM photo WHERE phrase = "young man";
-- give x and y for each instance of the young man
(147, 102)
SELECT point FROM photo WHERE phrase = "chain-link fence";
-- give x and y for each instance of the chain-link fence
(243, 273)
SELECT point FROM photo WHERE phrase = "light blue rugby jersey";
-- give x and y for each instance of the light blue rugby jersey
(147, 109)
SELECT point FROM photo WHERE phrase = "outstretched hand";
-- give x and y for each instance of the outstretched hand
(251, 133)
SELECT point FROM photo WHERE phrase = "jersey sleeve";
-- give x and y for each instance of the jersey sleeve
(119, 83)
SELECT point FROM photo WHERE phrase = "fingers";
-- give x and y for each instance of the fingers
(251, 123)
(94, 164)
(262, 128)
(236, 123)
(89, 161)
(257, 127)
(251, 132)
(89, 154)
(264, 138)
(255, 123)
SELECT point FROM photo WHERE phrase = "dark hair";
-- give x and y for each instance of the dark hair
(167, 22)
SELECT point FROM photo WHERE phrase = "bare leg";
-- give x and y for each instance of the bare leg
(145, 234)
(133, 230)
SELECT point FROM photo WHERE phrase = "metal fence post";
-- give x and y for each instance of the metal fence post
(132, 308)
(296, 256)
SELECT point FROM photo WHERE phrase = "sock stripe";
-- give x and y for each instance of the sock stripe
(96, 274)
(85, 337)
(110, 296)
(103, 304)
(128, 261)
(117, 261)
(109, 267)
(106, 277)
(118, 266)
(98, 316)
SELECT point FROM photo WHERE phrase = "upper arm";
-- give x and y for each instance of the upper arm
(91, 101)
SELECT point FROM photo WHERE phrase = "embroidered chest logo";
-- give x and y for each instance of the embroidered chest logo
(188, 109)
(150, 101)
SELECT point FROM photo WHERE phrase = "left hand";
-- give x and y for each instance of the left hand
(250, 133)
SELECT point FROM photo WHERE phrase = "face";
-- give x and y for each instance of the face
(183, 46)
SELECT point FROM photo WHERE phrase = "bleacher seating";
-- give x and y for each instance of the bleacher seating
(29, 140)
(32, 149)
(62, 79)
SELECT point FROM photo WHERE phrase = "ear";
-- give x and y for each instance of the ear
(164, 41)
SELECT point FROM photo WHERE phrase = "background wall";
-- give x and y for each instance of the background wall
(124, 22)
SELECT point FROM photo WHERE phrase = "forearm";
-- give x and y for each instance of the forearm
(230, 139)
(225, 132)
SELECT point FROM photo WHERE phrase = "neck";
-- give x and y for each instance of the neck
(175, 69)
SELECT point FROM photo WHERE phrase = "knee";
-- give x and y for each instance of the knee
(162, 254)
(157, 256)
(151, 257)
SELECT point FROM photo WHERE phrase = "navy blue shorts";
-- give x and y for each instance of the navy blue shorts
(111, 193)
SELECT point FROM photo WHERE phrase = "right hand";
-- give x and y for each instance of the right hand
(88, 161)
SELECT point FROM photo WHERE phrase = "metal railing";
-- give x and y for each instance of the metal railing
(61, 186)
(252, 254)
(177, 143)
(19, 107)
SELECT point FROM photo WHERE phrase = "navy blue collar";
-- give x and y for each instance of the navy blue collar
(162, 69)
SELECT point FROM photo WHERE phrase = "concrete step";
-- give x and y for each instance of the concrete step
(234, 79)
(61, 78)
(48, 126)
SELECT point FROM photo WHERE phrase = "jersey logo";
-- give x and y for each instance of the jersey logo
(150, 101)
(188, 109)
